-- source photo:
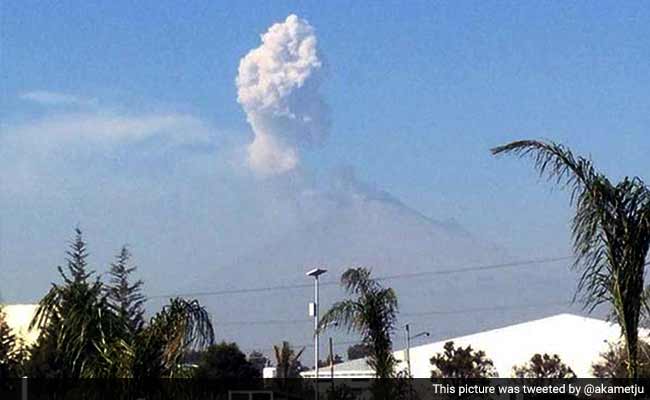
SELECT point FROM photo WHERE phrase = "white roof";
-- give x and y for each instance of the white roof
(18, 317)
(577, 340)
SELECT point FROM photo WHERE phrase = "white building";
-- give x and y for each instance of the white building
(577, 340)
(18, 317)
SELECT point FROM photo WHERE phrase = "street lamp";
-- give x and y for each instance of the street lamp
(313, 310)
(408, 345)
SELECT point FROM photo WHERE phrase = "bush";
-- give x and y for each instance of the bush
(613, 362)
(462, 363)
(543, 366)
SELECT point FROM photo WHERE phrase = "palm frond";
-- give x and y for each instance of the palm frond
(357, 280)
(345, 313)
(181, 326)
(47, 308)
(610, 231)
(554, 160)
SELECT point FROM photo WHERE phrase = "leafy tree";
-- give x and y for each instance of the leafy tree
(372, 312)
(326, 363)
(258, 360)
(126, 298)
(357, 351)
(225, 361)
(463, 363)
(613, 362)
(543, 366)
(287, 361)
(611, 233)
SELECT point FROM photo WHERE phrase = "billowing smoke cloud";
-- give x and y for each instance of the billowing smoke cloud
(278, 88)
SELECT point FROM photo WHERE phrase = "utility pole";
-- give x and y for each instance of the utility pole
(407, 327)
(408, 349)
(332, 364)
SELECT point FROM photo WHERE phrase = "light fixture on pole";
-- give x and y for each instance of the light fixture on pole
(313, 311)
(408, 345)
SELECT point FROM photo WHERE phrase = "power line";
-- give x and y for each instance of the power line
(435, 312)
(299, 346)
(449, 270)
(436, 336)
(477, 268)
(411, 314)
(392, 277)
(488, 309)
(264, 322)
(240, 291)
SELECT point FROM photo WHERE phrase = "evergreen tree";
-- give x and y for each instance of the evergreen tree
(126, 299)
(76, 259)
(7, 348)
(74, 318)
(13, 352)
(82, 335)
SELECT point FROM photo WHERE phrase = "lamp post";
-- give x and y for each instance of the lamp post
(408, 345)
(316, 273)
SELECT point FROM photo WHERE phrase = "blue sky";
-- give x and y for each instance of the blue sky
(418, 94)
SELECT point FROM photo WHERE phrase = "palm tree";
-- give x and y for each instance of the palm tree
(181, 326)
(287, 360)
(610, 229)
(372, 312)
(84, 335)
